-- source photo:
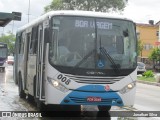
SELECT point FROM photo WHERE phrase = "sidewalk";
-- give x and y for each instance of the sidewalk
(149, 83)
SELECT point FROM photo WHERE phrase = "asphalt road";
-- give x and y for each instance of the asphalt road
(147, 97)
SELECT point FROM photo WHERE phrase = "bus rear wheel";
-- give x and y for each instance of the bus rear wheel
(104, 108)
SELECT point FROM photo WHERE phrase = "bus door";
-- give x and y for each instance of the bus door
(40, 65)
(28, 37)
(24, 59)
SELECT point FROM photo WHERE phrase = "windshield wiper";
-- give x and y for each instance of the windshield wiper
(85, 58)
(114, 65)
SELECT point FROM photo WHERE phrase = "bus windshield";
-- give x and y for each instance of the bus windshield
(92, 43)
(3, 52)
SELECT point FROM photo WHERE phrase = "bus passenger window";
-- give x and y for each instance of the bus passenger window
(34, 40)
(20, 43)
(29, 49)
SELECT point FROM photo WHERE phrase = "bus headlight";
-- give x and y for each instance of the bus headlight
(57, 85)
(128, 87)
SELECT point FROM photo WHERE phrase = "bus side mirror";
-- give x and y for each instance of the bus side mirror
(125, 33)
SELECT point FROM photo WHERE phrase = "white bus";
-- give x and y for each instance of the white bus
(77, 58)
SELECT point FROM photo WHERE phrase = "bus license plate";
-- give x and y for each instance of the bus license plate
(94, 99)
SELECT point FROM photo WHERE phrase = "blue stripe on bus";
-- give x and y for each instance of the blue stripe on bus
(79, 97)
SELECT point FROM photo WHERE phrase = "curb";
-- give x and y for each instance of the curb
(149, 83)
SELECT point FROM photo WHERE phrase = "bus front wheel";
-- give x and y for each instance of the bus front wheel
(104, 108)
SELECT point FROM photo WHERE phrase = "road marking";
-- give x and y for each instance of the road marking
(130, 108)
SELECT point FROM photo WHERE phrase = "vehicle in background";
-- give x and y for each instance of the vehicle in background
(10, 60)
(3, 55)
(157, 67)
(141, 68)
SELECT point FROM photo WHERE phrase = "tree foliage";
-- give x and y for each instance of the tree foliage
(10, 40)
(155, 55)
(88, 5)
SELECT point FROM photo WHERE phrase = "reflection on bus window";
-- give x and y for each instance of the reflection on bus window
(74, 38)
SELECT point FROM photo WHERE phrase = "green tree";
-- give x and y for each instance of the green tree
(8, 38)
(88, 5)
(155, 55)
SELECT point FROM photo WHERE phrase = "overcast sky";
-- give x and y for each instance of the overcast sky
(140, 11)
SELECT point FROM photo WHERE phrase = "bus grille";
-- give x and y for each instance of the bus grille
(83, 100)
(94, 79)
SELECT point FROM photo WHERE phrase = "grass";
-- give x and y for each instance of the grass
(149, 79)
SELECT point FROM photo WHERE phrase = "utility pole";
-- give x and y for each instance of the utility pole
(28, 11)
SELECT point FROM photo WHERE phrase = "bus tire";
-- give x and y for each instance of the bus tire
(20, 88)
(104, 108)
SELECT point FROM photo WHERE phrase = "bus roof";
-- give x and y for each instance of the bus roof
(2, 43)
(70, 13)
